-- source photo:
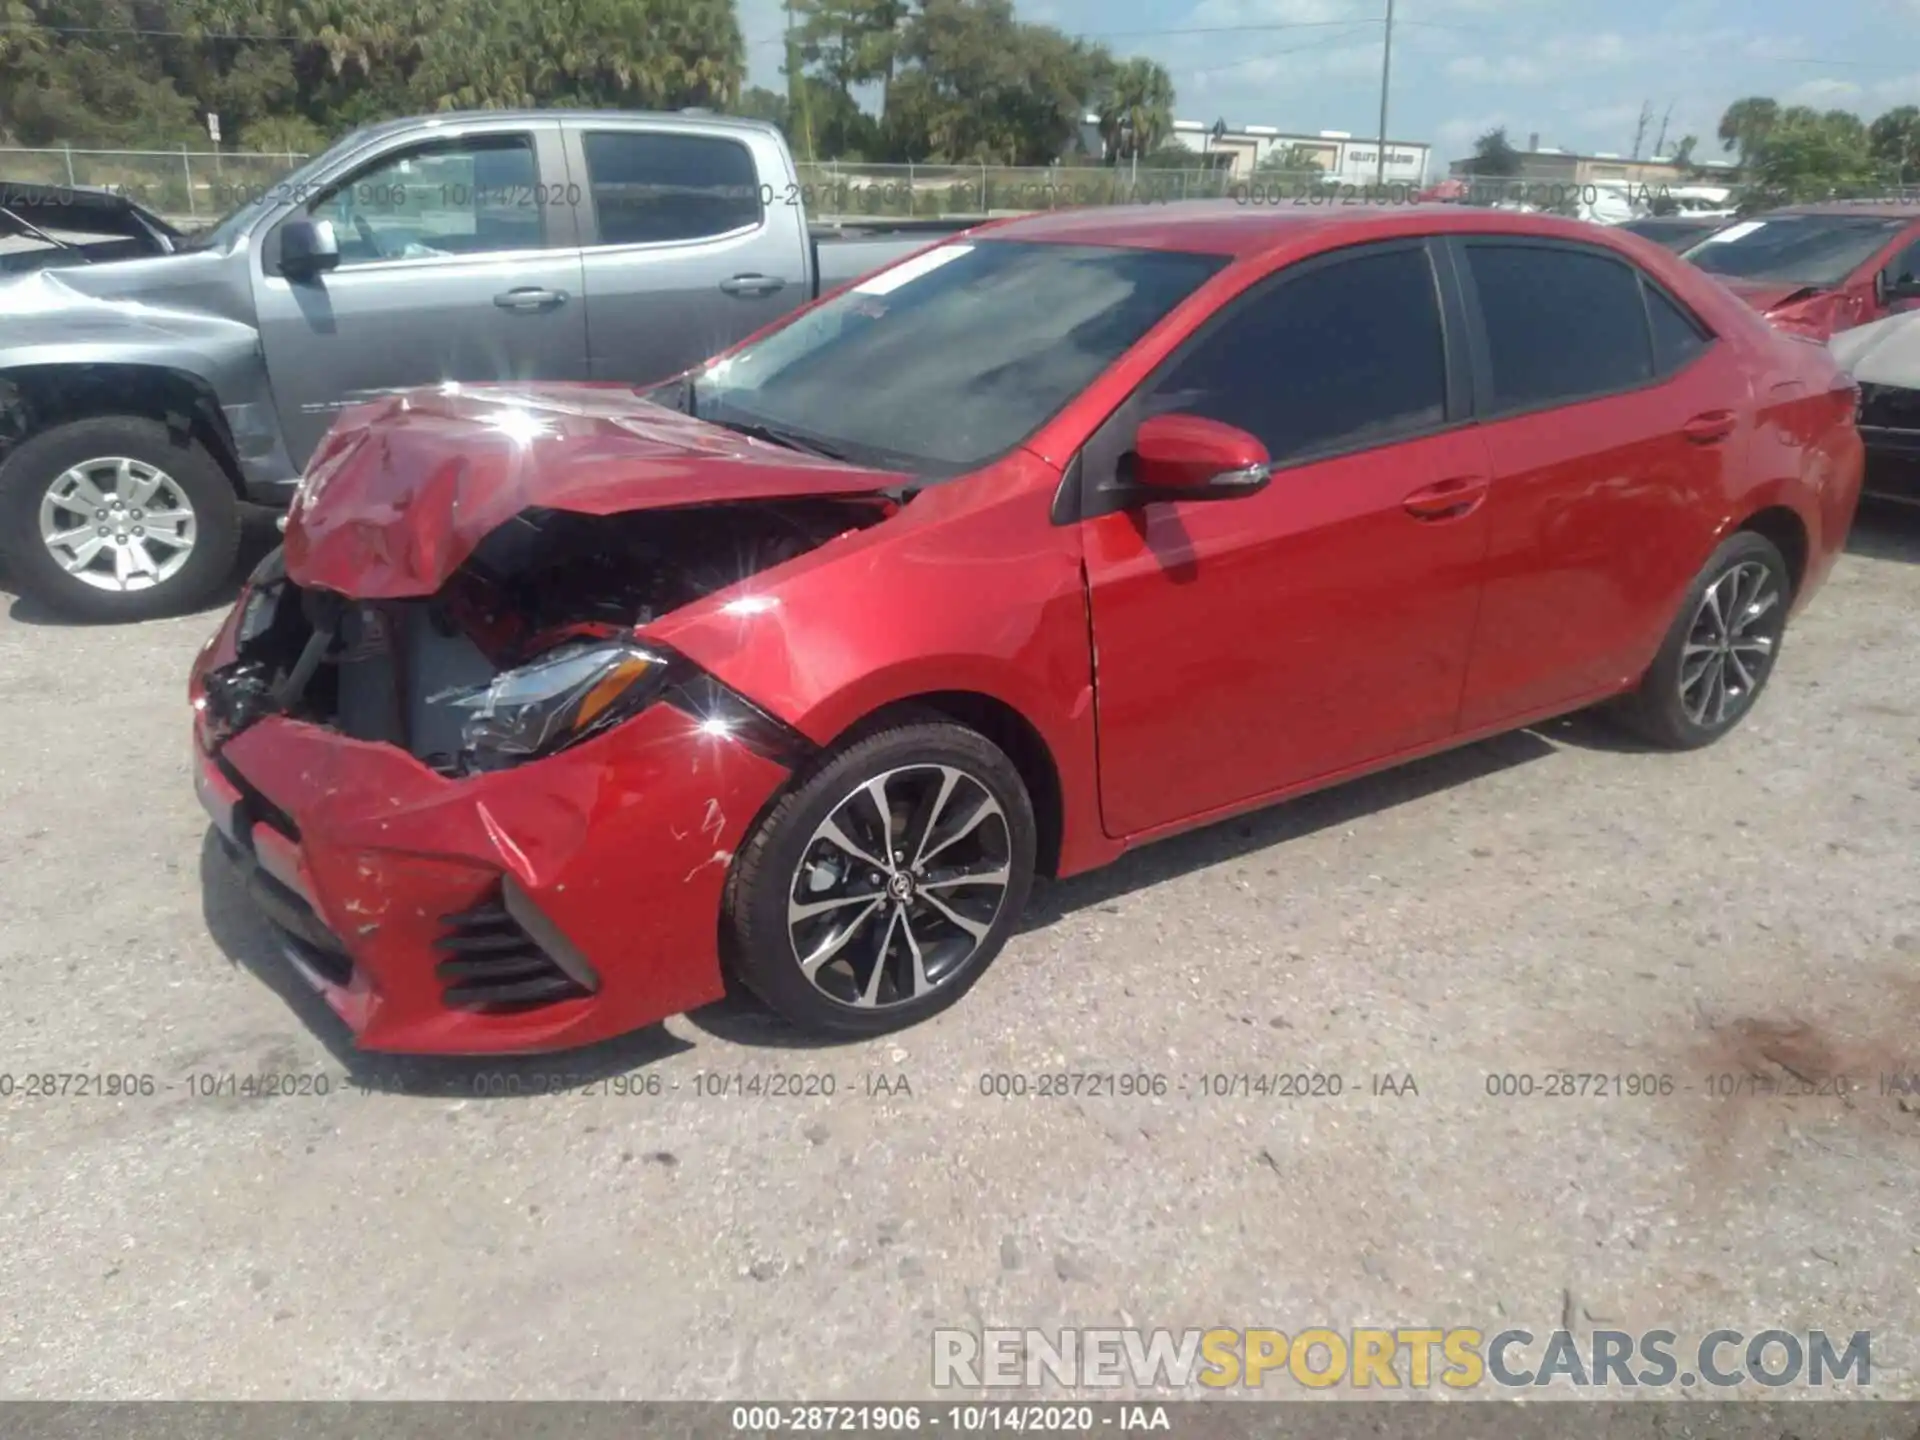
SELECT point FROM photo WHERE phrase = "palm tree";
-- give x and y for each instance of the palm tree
(1746, 123)
(1136, 110)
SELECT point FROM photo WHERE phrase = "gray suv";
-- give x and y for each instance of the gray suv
(142, 398)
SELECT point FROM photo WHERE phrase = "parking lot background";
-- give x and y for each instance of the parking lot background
(1548, 901)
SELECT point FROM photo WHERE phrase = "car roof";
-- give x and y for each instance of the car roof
(1240, 230)
(1873, 209)
(612, 118)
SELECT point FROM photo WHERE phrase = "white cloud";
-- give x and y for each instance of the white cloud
(1824, 93)
(1454, 139)
(1269, 12)
(1498, 70)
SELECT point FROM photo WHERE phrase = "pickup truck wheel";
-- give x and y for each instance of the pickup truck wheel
(882, 885)
(116, 518)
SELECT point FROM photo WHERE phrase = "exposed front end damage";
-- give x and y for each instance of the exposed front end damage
(494, 817)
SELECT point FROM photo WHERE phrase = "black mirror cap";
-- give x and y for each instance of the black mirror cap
(308, 248)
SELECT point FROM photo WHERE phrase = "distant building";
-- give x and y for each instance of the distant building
(1241, 151)
(1545, 165)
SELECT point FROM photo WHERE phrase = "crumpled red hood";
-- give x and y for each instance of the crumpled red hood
(1805, 309)
(1762, 295)
(402, 490)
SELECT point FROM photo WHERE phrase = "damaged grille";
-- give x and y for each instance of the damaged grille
(493, 963)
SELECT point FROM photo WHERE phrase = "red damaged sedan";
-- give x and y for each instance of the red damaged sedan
(560, 704)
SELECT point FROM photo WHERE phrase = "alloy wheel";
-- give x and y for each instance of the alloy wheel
(118, 524)
(1731, 643)
(899, 886)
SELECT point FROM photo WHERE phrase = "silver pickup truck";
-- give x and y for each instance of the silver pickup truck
(142, 398)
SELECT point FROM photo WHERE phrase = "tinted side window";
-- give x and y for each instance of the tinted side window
(1346, 355)
(669, 187)
(1676, 338)
(1561, 324)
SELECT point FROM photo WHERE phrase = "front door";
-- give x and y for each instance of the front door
(1245, 646)
(457, 262)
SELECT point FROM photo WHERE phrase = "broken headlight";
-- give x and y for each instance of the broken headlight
(549, 703)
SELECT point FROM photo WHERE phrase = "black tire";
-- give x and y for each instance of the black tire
(762, 950)
(33, 467)
(1660, 711)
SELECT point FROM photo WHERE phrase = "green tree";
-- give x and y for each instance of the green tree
(1135, 106)
(975, 85)
(1894, 139)
(74, 72)
(851, 43)
(285, 71)
(1805, 155)
(1746, 123)
(759, 103)
(1494, 155)
(1293, 160)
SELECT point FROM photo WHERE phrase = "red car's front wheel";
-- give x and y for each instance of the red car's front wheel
(884, 883)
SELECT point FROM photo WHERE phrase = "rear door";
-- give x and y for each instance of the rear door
(694, 239)
(1248, 645)
(458, 261)
(1610, 414)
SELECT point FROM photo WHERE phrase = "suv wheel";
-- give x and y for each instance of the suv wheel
(881, 887)
(116, 518)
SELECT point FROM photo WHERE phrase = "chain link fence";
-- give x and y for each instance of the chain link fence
(195, 186)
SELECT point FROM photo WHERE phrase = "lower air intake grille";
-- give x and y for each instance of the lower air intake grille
(494, 964)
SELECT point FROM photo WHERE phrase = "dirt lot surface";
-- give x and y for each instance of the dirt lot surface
(1542, 903)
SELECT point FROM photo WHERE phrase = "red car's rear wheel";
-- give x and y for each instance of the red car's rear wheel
(1722, 648)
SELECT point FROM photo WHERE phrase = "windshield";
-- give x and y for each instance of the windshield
(221, 233)
(951, 358)
(1794, 249)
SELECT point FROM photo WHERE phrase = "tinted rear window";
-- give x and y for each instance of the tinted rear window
(1676, 338)
(1794, 249)
(658, 186)
(1561, 324)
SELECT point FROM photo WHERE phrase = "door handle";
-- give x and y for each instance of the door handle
(753, 285)
(1453, 499)
(530, 297)
(1710, 426)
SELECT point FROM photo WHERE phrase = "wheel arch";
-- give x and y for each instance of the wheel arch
(40, 397)
(1783, 525)
(1004, 725)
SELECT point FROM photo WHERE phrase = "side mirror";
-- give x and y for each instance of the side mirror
(1189, 457)
(1887, 288)
(307, 248)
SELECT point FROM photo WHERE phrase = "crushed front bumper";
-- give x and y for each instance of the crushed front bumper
(558, 903)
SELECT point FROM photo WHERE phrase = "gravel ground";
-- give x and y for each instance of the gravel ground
(1546, 901)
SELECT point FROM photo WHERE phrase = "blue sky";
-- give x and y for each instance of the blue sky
(1576, 74)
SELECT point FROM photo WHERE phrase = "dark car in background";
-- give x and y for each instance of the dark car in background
(45, 227)
(1884, 360)
(1820, 269)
